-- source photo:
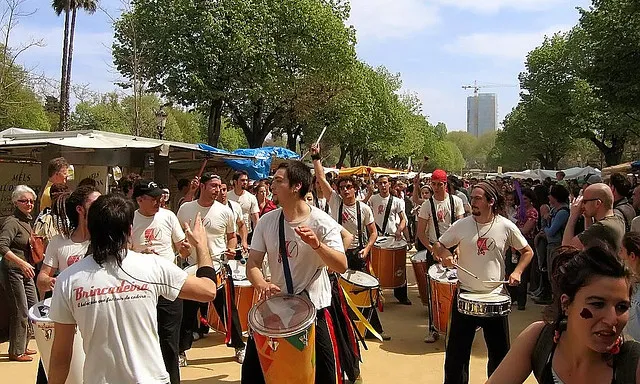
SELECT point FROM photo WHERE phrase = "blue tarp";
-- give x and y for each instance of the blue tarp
(208, 148)
(259, 168)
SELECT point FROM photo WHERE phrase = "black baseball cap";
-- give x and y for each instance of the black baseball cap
(146, 187)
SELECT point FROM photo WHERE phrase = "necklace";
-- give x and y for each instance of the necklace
(481, 243)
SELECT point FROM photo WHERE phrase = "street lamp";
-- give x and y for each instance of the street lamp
(161, 122)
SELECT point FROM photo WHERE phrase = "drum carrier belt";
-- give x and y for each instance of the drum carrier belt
(358, 218)
(283, 255)
(435, 218)
(385, 221)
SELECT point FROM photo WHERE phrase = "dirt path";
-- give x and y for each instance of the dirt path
(404, 359)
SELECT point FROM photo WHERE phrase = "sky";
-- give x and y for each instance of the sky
(437, 46)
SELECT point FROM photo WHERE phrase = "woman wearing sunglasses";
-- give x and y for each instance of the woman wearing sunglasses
(16, 274)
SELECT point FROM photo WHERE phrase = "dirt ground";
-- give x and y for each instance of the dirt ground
(404, 359)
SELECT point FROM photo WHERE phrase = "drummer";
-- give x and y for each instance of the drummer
(155, 231)
(219, 223)
(436, 215)
(313, 244)
(483, 239)
(354, 217)
(392, 223)
(240, 227)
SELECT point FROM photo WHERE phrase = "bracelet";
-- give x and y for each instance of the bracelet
(315, 156)
(319, 245)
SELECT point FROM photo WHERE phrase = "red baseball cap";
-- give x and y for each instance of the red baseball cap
(439, 175)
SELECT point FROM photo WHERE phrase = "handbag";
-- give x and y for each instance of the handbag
(36, 246)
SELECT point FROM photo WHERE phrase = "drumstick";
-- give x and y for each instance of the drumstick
(496, 282)
(204, 164)
(466, 271)
(317, 141)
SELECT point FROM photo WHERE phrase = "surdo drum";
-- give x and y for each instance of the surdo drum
(419, 263)
(283, 327)
(361, 287)
(388, 259)
(443, 283)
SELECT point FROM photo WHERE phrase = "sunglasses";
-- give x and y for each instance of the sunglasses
(345, 187)
(588, 200)
(26, 201)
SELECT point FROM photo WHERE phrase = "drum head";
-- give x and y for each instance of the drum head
(385, 242)
(360, 279)
(40, 311)
(238, 270)
(439, 273)
(282, 315)
(241, 283)
(191, 270)
(420, 257)
(484, 297)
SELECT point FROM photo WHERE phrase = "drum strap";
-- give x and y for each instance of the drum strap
(358, 223)
(435, 218)
(387, 212)
(316, 202)
(284, 257)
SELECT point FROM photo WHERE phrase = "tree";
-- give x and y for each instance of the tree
(70, 9)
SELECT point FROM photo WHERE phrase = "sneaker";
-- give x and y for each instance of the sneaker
(240, 355)
(370, 336)
(431, 337)
(385, 337)
(182, 359)
(196, 336)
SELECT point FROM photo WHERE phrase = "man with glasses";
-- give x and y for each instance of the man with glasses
(436, 216)
(155, 231)
(219, 224)
(595, 203)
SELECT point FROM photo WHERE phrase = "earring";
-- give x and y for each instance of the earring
(556, 337)
(615, 349)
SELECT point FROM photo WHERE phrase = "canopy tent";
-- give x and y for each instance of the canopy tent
(363, 170)
(629, 167)
(541, 174)
(259, 166)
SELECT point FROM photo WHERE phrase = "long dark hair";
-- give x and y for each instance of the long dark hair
(574, 269)
(110, 219)
(64, 209)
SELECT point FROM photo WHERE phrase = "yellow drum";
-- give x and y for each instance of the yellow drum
(361, 287)
(283, 327)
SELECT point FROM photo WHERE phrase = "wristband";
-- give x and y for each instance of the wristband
(319, 245)
(207, 272)
(315, 156)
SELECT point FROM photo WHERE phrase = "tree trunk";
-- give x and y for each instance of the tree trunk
(214, 122)
(612, 154)
(343, 156)
(292, 139)
(353, 157)
(67, 86)
(63, 79)
(365, 157)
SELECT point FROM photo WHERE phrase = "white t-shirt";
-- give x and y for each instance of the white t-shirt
(237, 213)
(378, 205)
(350, 218)
(482, 249)
(62, 252)
(308, 271)
(218, 220)
(116, 315)
(158, 232)
(443, 214)
(249, 205)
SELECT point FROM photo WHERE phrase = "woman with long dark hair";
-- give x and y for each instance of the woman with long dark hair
(582, 340)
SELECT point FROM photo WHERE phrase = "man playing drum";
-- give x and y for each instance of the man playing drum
(219, 223)
(435, 217)
(482, 241)
(354, 217)
(155, 231)
(390, 219)
(313, 244)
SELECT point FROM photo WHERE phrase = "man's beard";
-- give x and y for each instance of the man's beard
(475, 211)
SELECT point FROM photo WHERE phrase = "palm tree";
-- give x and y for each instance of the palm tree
(70, 9)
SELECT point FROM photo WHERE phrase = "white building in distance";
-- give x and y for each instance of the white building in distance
(482, 113)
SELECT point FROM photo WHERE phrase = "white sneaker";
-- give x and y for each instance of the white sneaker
(431, 337)
(240, 355)
(182, 358)
(196, 336)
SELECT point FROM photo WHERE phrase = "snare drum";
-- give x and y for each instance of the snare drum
(443, 284)
(361, 287)
(484, 304)
(389, 259)
(283, 327)
(245, 297)
(217, 266)
(419, 263)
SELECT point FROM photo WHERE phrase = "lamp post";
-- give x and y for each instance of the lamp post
(161, 122)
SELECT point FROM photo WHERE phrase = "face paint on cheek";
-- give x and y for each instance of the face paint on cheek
(586, 313)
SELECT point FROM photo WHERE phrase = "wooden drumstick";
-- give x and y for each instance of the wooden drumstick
(204, 164)
(466, 271)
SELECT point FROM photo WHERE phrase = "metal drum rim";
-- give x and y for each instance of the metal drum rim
(360, 285)
(269, 332)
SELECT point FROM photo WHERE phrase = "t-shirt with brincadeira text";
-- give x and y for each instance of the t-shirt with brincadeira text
(62, 252)
(481, 250)
(308, 270)
(115, 311)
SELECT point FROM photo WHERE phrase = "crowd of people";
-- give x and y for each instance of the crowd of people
(135, 271)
